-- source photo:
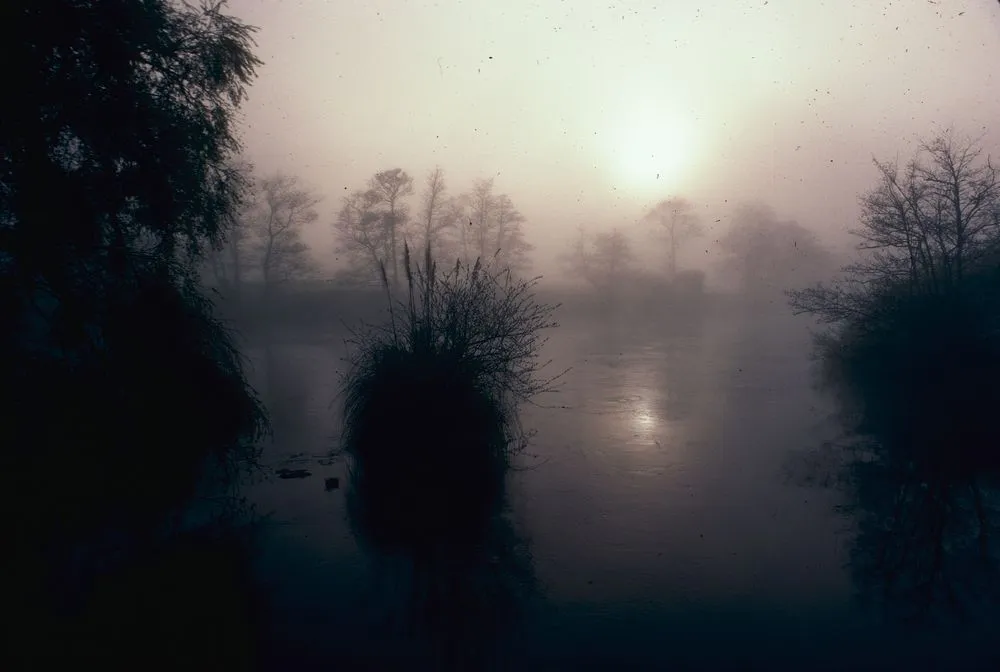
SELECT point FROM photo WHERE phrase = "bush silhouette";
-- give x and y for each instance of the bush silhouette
(430, 422)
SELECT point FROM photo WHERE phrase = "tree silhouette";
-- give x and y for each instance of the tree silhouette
(766, 255)
(360, 233)
(116, 175)
(602, 260)
(283, 208)
(676, 221)
(389, 189)
(438, 213)
(911, 348)
(227, 263)
(495, 228)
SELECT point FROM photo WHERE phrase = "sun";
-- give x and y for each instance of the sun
(650, 150)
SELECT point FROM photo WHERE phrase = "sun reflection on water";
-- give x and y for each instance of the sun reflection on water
(644, 421)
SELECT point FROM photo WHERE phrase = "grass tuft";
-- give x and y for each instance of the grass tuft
(431, 397)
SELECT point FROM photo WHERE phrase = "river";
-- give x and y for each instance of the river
(653, 509)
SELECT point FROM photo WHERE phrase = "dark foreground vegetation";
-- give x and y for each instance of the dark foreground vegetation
(430, 429)
(913, 349)
(126, 420)
(124, 403)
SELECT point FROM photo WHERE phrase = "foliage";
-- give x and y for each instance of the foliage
(127, 113)
(917, 385)
(119, 387)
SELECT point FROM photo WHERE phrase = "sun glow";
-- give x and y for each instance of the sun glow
(651, 150)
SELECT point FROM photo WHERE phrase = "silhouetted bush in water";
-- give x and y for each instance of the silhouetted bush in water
(430, 427)
(918, 388)
(914, 348)
(450, 606)
(431, 397)
(922, 377)
(916, 376)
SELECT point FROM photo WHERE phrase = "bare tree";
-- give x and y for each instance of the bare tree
(602, 260)
(576, 260)
(437, 212)
(911, 348)
(360, 231)
(235, 249)
(611, 257)
(495, 228)
(482, 205)
(511, 244)
(765, 255)
(226, 261)
(927, 223)
(390, 188)
(922, 229)
(454, 221)
(677, 222)
(284, 209)
(225, 255)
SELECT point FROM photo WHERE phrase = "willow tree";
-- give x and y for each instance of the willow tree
(117, 173)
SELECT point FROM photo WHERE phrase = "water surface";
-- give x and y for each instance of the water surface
(662, 526)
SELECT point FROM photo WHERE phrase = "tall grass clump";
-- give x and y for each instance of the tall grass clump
(431, 397)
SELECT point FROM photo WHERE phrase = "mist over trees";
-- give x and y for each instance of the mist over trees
(284, 209)
(125, 201)
(226, 262)
(763, 256)
(911, 346)
(676, 223)
(439, 215)
(264, 241)
(373, 223)
(759, 256)
(604, 260)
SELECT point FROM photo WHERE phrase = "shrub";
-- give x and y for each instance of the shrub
(916, 376)
(430, 400)
(920, 376)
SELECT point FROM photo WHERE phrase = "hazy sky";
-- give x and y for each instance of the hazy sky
(587, 112)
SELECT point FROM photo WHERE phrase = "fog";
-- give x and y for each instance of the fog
(501, 335)
(587, 113)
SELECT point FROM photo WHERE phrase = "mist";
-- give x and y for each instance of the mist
(590, 113)
(481, 335)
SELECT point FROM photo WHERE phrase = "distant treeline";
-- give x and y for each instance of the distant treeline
(759, 253)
